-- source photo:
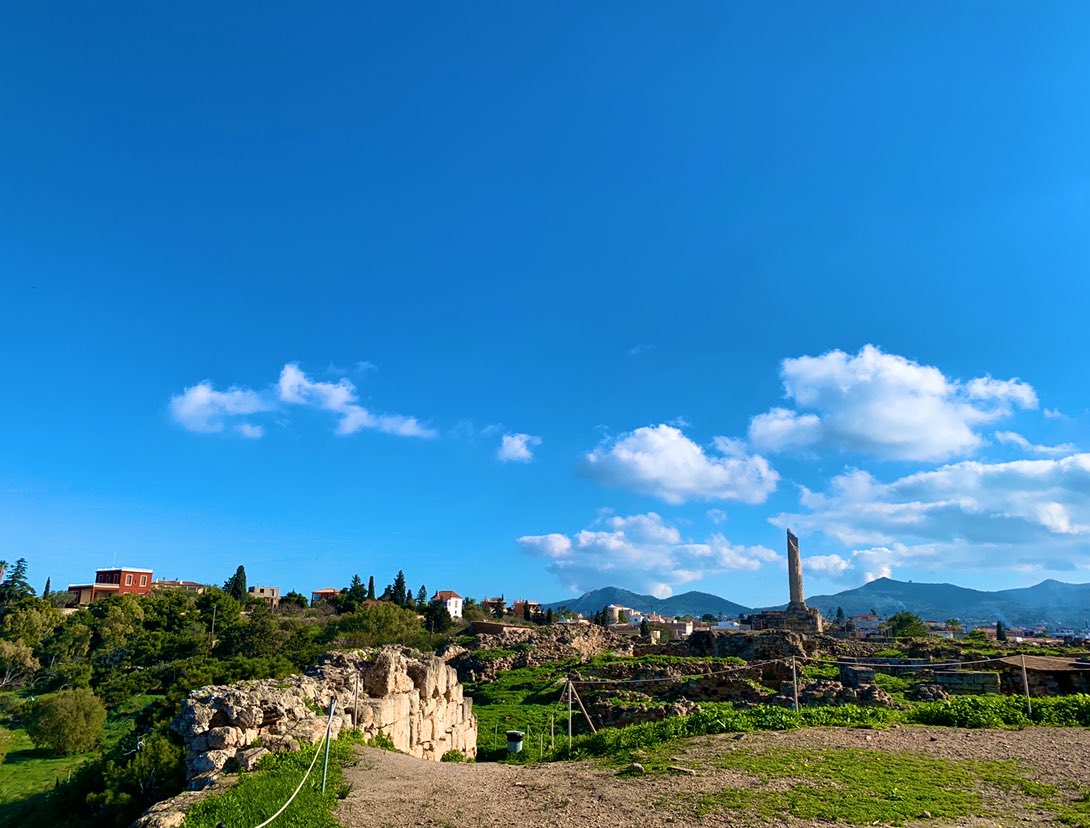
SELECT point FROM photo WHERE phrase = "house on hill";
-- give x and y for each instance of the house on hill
(125, 580)
(320, 595)
(451, 599)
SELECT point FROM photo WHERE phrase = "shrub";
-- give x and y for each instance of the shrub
(973, 711)
(70, 721)
(455, 756)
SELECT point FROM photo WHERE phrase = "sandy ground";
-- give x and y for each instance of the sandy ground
(390, 789)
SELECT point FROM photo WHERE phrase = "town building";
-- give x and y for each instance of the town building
(521, 607)
(865, 626)
(270, 595)
(451, 599)
(188, 586)
(494, 606)
(125, 580)
(320, 595)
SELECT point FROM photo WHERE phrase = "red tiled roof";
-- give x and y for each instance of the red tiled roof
(445, 595)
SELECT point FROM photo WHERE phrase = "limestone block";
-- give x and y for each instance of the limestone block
(221, 738)
(209, 761)
(244, 716)
(248, 759)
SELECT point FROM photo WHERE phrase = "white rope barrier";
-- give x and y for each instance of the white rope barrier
(299, 787)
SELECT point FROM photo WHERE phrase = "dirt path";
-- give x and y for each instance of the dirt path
(391, 789)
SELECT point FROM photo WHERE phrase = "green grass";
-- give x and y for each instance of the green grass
(857, 787)
(258, 795)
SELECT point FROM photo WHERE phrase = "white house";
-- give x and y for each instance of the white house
(453, 601)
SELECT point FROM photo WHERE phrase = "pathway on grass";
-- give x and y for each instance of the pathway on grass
(735, 784)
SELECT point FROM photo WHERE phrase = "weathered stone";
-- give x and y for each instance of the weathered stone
(249, 759)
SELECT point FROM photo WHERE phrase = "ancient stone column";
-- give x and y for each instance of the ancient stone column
(794, 570)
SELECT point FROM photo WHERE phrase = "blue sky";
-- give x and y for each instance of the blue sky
(537, 299)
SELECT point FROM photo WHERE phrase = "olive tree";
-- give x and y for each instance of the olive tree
(70, 721)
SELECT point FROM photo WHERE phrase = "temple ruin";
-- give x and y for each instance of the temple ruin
(796, 616)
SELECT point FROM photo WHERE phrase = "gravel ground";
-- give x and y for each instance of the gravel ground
(390, 789)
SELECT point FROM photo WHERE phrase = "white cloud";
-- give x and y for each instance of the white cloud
(884, 405)
(202, 408)
(661, 461)
(517, 448)
(1013, 438)
(250, 431)
(1029, 514)
(717, 516)
(640, 551)
(1053, 413)
(296, 388)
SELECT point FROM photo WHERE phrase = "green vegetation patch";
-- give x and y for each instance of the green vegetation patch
(258, 795)
(857, 787)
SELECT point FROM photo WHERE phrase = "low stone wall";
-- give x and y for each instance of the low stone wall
(966, 682)
(414, 700)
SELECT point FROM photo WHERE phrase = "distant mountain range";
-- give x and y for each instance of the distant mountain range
(1050, 602)
(688, 603)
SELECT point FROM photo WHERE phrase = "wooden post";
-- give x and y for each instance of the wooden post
(569, 717)
(586, 715)
(1025, 686)
(356, 703)
(795, 683)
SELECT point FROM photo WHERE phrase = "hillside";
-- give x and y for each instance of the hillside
(688, 603)
(1049, 602)
(1054, 603)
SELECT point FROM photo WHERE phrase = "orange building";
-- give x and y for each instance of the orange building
(124, 580)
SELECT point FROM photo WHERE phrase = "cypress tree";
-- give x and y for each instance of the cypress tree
(421, 596)
(399, 591)
(371, 588)
(47, 590)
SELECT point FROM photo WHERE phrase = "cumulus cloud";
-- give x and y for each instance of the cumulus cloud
(661, 461)
(641, 551)
(202, 408)
(296, 388)
(717, 516)
(1029, 514)
(884, 405)
(517, 448)
(1013, 438)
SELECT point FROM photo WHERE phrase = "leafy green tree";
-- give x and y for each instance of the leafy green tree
(296, 599)
(840, 616)
(371, 588)
(235, 586)
(357, 592)
(259, 635)
(473, 611)
(410, 602)
(399, 592)
(422, 596)
(377, 624)
(906, 625)
(30, 620)
(15, 586)
(708, 618)
(436, 617)
(70, 721)
(17, 663)
(953, 624)
(645, 628)
(1000, 631)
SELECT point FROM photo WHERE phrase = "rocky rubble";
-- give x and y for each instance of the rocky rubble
(415, 700)
(829, 692)
(530, 647)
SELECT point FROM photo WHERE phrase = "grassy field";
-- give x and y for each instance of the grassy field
(258, 795)
(28, 772)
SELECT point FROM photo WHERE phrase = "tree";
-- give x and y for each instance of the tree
(235, 586)
(906, 625)
(436, 617)
(953, 624)
(17, 662)
(70, 721)
(357, 593)
(46, 591)
(422, 596)
(527, 616)
(294, 598)
(549, 616)
(1000, 631)
(371, 588)
(399, 593)
(15, 586)
(473, 611)
(708, 618)
(840, 616)
(645, 628)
